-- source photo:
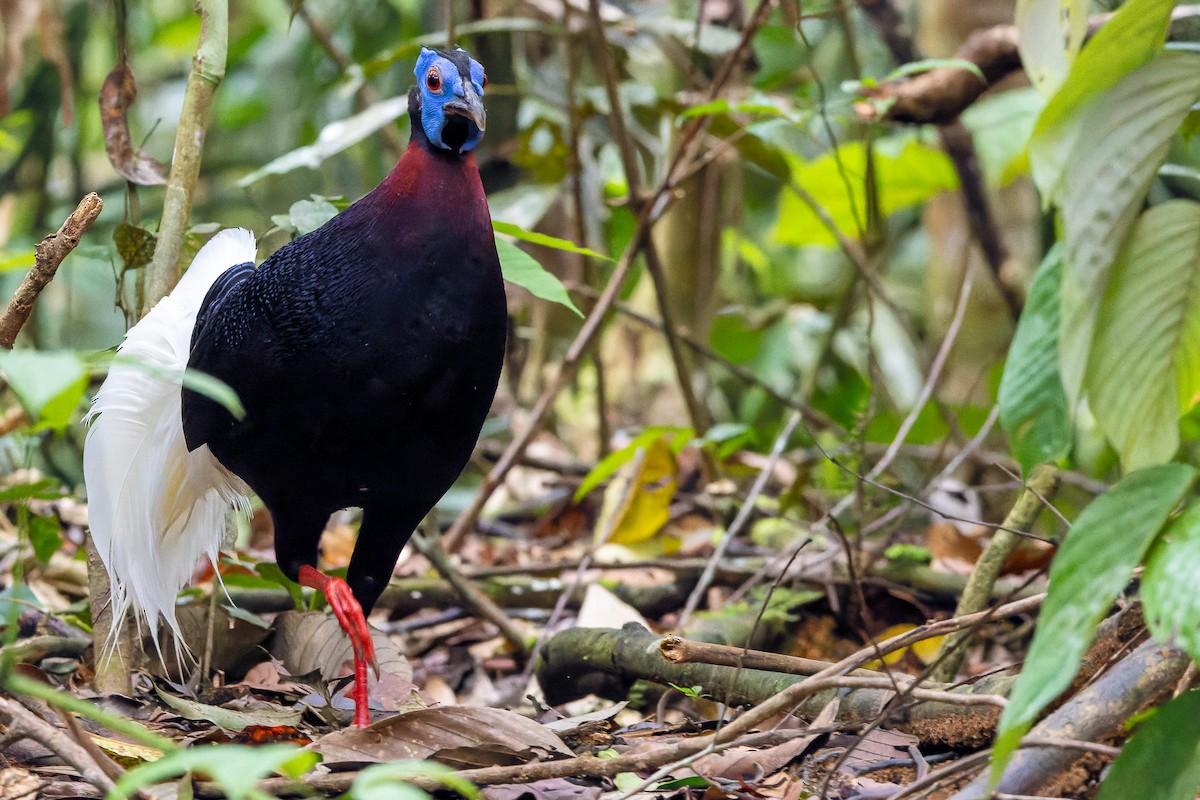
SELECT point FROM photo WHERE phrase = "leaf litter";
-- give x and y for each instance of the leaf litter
(453, 692)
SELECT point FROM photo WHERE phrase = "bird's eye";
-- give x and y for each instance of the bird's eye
(433, 79)
(485, 81)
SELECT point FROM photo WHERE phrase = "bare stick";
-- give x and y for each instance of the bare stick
(470, 593)
(24, 723)
(50, 253)
(208, 70)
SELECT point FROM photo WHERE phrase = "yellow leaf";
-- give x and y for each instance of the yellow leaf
(124, 753)
(638, 499)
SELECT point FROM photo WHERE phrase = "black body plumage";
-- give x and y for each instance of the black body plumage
(366, 355)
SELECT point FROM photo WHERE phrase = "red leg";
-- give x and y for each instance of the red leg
(350, 616)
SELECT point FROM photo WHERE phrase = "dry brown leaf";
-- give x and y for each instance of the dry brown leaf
(752, 764)
(116, 95)
(875, 746)
(312, 641)
(461, 736)
(549, 789)
(19, 784)
(235, 641)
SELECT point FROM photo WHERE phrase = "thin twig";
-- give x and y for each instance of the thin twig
(739, 521)
(50, 253)
(483, 605)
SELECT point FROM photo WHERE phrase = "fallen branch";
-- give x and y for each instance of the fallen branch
(1144, 678)
(50, 254)
(581, 659)
(24, 723)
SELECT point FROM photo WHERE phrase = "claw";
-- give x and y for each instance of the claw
(350, 616)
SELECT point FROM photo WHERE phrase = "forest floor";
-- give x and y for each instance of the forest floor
(802, 674)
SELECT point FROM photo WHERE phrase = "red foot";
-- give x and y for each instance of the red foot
(350, 616)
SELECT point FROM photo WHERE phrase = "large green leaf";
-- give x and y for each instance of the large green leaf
(49, 383)
(907, 172)
(1142, 335)
(1049, 35)
(1162, 760)
(1001, 125)
(1094, 563)
(517, 232)
(1033, 406)
(523, 269)
(236, 768)
(1172, 606)
(1113, 146)
(1130, 39)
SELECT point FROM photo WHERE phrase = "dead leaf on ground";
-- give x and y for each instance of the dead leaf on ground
(228, 718)
(116, 96)
(875, 746)
(313, 641)
(235, 641)
(19, 784)
(752, 764)
(549, 789)
(461, 736)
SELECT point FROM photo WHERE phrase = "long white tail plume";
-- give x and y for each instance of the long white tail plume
(153, 507)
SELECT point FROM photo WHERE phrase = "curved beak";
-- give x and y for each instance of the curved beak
(470, 106)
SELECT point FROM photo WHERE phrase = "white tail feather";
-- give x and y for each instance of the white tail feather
(154, 508)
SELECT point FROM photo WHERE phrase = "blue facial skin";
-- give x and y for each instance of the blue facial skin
(446, 93)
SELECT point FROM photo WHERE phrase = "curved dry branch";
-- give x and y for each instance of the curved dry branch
(50, 254)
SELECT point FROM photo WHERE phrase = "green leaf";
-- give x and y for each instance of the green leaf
(1146, 354)
(44, 536)
(334, 138)
(228, 718)
(17, 259)
(1113, 147)
(49, 383)
(1001, 125)
(1093, 564)
(517, 232)
(236, 768)
(927, 64)
(20, 596)
(1049, 35)
(271, 571)
(1172, 570)
(386, 781)
(305, 216)
(135, 245)
(608, 465)
(1133, 36)
(523, 269)
(907, 172)
(45, 489)
(1033, 406)
(1162, 760)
